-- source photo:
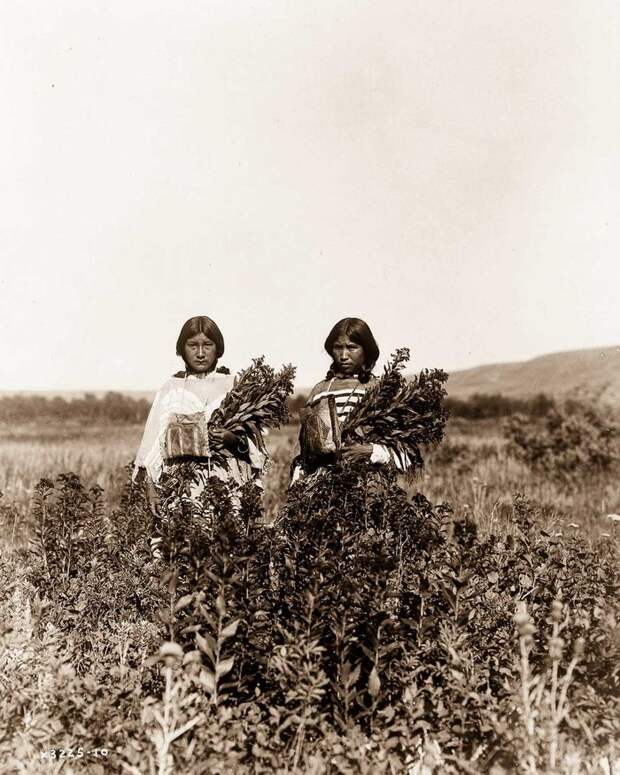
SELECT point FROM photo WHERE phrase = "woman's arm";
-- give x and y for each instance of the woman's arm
(297, 472)
(377, 454)
(384, 455)
(354, 452)
(148, 457)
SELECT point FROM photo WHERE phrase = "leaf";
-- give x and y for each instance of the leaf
(172, 582)
(448, 596)
(224, 667)
(207, 679)
(206, 647)
(164, 615)
(230, 630)
(182, 603)
(220, 605)
(374, 683)
(353, 677)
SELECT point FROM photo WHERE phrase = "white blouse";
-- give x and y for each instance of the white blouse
(189, 395)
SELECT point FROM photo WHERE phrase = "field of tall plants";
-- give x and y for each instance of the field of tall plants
(464, 621)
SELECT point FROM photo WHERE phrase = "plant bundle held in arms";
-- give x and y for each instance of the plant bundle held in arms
(406, 415)
(258, 400)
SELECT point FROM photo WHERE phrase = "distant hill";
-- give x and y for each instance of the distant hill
(591, 372)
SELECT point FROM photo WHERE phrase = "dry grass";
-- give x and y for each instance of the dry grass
(97, 455)
(470, 471)
(480, 479)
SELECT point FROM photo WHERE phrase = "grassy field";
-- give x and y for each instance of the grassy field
(97, 455)
(42, 676)
(100, 456)
(469, 470)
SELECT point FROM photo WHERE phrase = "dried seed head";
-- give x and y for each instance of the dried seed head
(521, 614)
(579, 648)
(556, 610)
(170, 652)
(521, 618)
(192, 657)
(556, 647)
(527, 630)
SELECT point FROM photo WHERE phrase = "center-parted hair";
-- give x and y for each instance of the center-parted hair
(201, 324)
(359, 332)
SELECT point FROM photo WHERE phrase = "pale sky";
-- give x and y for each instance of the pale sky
(448, 170)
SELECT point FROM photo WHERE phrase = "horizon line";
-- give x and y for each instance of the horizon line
(152, 391)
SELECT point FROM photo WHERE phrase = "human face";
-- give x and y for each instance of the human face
(200, 354)
(348, 356)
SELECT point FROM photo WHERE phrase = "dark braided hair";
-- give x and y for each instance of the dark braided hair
(359, 332)
(219, 370)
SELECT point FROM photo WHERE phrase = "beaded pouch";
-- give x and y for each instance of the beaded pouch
(187, 435)
(321, 434)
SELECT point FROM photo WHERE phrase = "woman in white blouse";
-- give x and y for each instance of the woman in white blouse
(197, 390)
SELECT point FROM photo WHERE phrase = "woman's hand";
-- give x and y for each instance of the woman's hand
(355, 452)
(223, 438)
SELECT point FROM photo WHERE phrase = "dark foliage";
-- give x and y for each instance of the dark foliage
(493, 406)
(110, 408)
(362, 626)
(572, 440)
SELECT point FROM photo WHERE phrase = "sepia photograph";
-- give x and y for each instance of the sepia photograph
(310, 387)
